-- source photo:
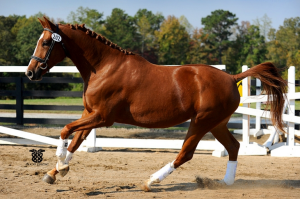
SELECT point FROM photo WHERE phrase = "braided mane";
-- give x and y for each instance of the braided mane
(99, 37)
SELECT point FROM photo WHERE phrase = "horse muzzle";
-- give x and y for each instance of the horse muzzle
(34, 76)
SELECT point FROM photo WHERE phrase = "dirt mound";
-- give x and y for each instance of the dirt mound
(208, 183)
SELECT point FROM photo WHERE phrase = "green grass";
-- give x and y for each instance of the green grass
(56, 101)
(297, 107)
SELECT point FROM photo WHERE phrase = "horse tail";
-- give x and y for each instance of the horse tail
(273, 85)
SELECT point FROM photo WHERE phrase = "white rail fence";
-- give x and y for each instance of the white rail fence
(92, 144)
(283, 149)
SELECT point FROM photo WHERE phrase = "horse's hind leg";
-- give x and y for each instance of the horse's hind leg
(195, 133)
(232, 146)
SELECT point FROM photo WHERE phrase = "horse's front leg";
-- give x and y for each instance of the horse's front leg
(83, 127)
(76, 142)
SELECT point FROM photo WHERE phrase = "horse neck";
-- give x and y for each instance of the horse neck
(86, 52)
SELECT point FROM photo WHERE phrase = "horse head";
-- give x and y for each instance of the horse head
(48, 52)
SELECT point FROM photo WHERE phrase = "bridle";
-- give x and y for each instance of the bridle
(55, 38)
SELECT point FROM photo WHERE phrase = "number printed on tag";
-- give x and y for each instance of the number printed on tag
(56, 37)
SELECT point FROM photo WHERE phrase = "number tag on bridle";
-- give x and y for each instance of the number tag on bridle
(56, 37)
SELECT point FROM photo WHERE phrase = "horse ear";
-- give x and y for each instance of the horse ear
(49, 24)
(42, 22)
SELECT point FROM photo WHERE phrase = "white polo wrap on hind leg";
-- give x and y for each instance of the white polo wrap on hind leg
(61, 150)
(162, 173)
(230, 172)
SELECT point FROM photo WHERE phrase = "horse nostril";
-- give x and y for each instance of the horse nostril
(29, 74)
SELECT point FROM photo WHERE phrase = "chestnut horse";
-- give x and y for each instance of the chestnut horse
(122, 87)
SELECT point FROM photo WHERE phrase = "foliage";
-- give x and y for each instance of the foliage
(284, 45)
(144, 30)
(185, 23)
(7, 38)
(197, 47)
(264, 25)
(90, 17)
(233, 55)
(254, 49)
(147, 23)
(119, 28)
(217, 26)
(154, 20)
(173, 41)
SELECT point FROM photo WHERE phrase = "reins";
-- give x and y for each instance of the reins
(55, 38)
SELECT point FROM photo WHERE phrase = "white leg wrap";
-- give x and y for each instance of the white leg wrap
(57, 166)
(68, 157)
(63, 163)
(162, 173)
(61, 150)
(230, 172)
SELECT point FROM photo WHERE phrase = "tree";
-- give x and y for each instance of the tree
(154, 20)
(173, 41)
(144, 30)
(90, 17)
(119, 28)
(264, 24)
(234, 58)
(197, 47)
(217, 26)
(248, 48)
(254, 49)
(284, 46)
(185, 23)
(147, 23)
(7, 38)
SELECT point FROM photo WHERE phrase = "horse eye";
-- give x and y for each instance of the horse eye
(46, 43)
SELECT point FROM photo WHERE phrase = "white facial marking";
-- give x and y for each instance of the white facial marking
(38, 43)
(42, 35)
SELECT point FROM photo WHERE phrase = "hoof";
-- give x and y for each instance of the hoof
(146, 186)
(64, 170)
(49, 179)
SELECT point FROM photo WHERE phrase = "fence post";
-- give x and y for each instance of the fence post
(91, 139)
(90, 143)
(19, 101)
(291, 126)
(246, 118)
(247, 148)
(258, 107)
